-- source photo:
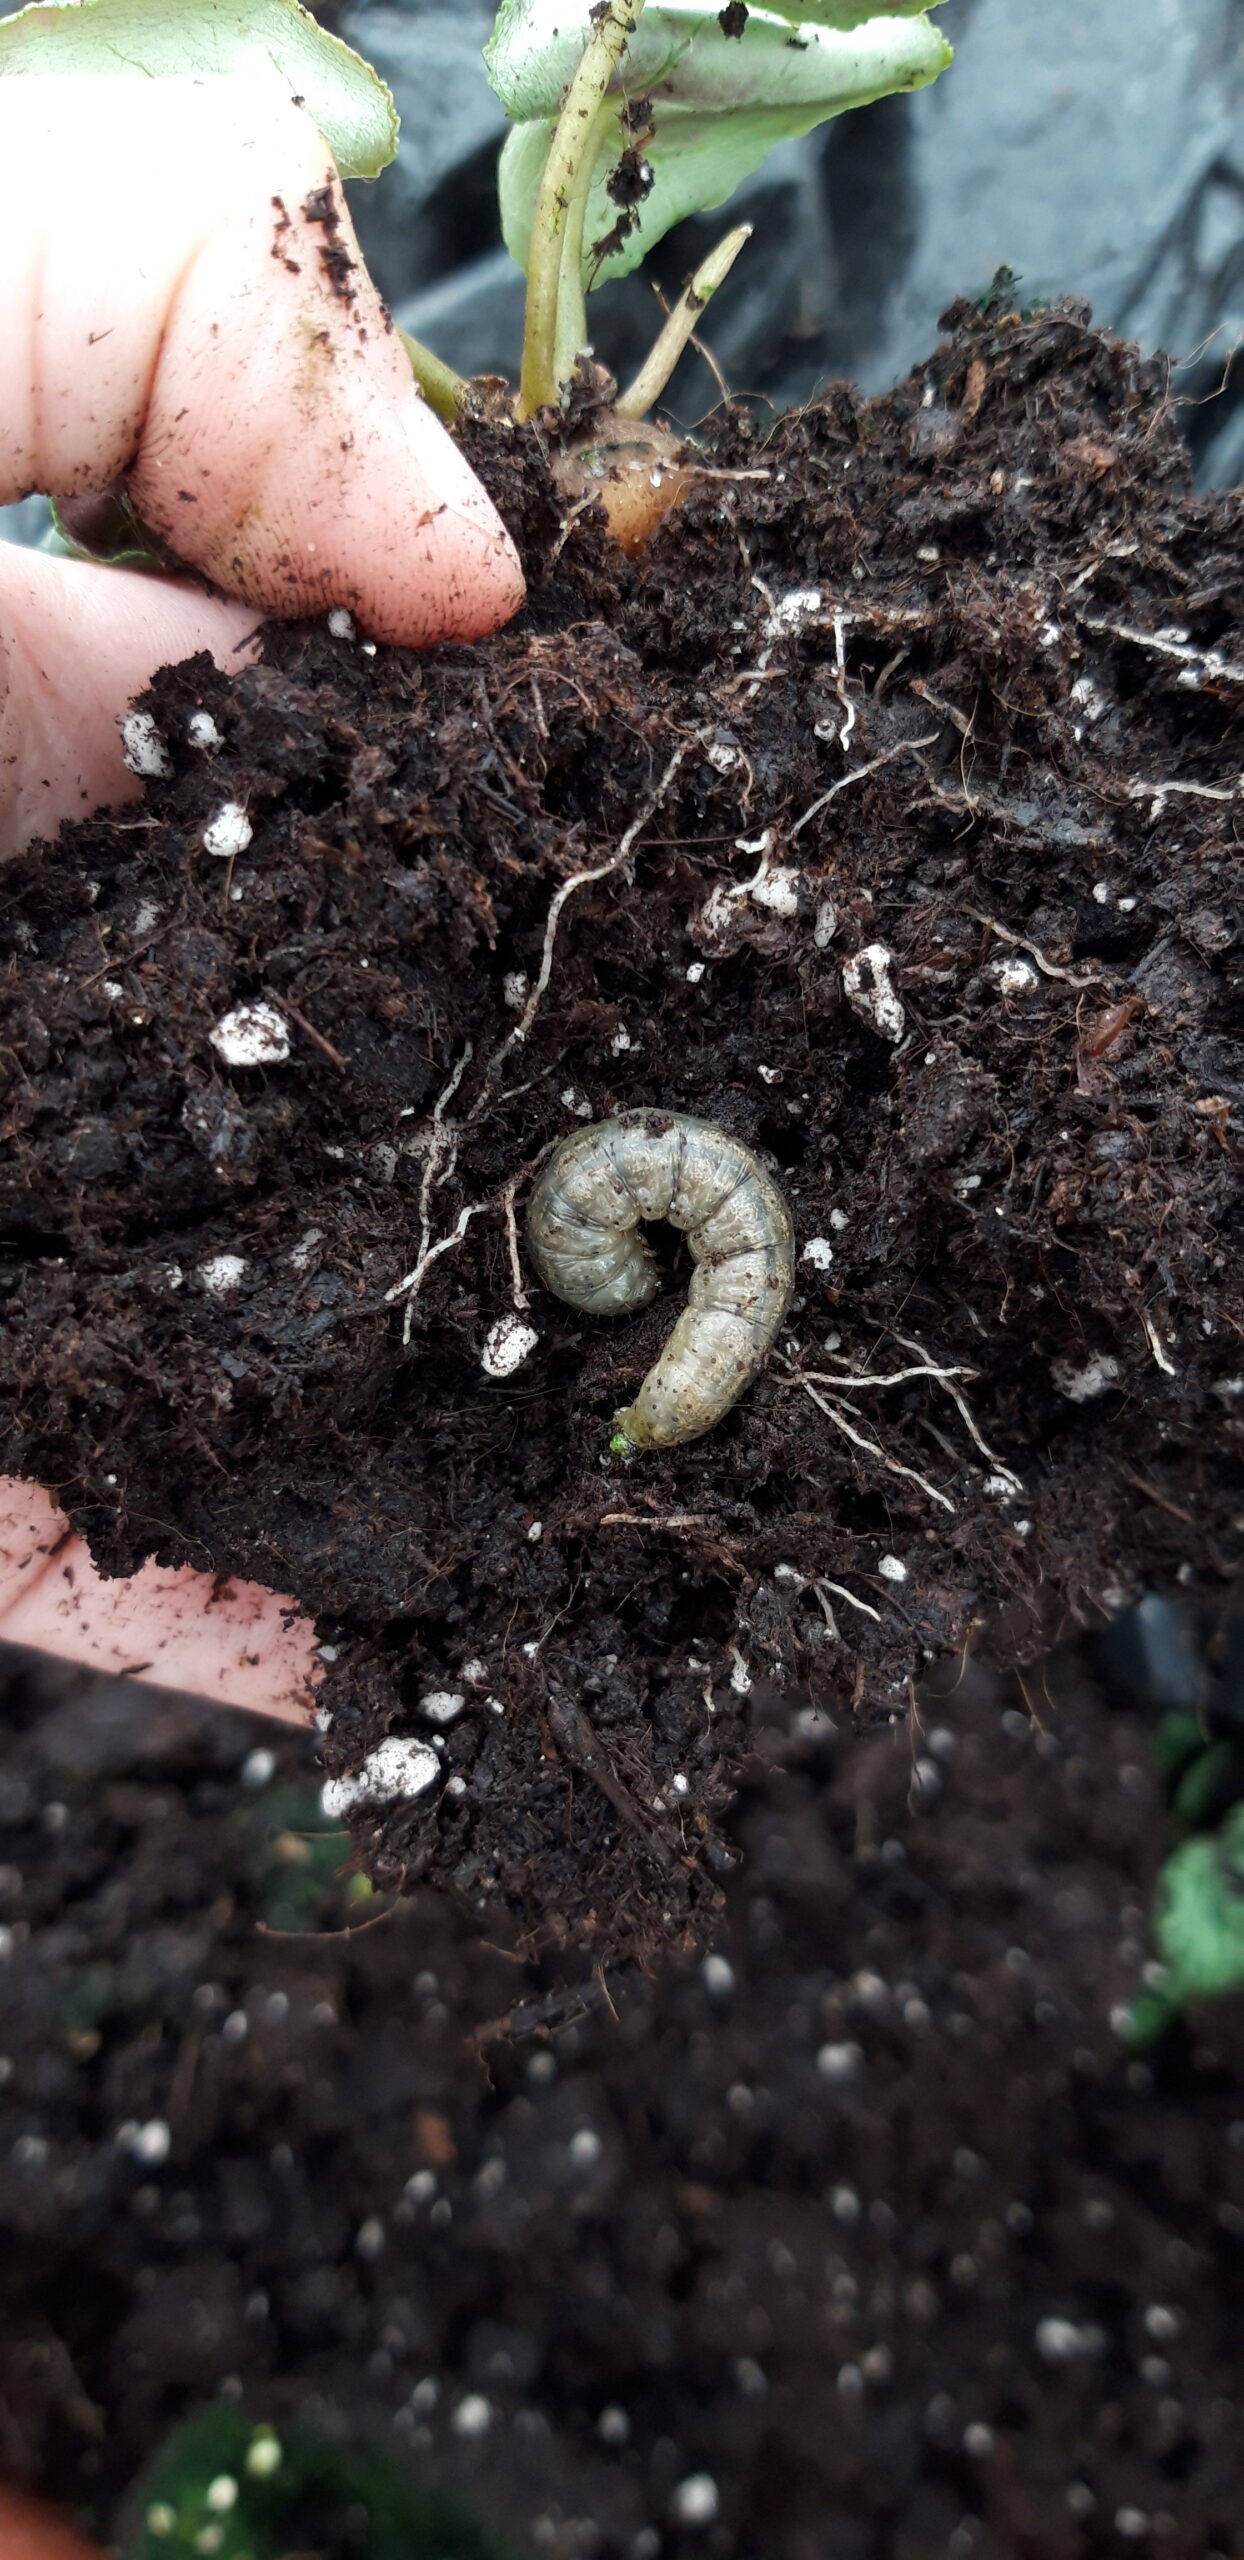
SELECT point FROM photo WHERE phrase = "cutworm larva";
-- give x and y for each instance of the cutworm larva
(583, 1237)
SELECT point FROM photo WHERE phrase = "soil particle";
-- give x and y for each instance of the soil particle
(884, 813)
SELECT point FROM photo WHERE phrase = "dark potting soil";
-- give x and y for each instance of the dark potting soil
(866, 2238)
(885, 813)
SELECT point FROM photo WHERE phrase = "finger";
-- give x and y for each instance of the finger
(185, 304)
(76, 645)
(30, 2531)
(226, 1640)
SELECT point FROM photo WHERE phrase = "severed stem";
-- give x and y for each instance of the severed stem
(575, 139)
(655, 371)
(442, 388)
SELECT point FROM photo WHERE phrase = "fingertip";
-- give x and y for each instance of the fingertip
(454, 512)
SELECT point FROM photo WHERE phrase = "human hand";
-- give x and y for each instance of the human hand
(29, 2531)
(182, 304)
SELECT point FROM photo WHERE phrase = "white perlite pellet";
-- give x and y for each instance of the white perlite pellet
(509, 1343)
(229, 832)
(398, 1768)
(150, 2143)
(442, 1706)
(870, 992)
(696, 2500)
(473, 2416)
(1013, 977)
(252, 1035)
(142, 747)
(221, 1273)
(1081, 1385)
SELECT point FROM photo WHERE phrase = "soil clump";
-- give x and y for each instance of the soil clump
(885, 813)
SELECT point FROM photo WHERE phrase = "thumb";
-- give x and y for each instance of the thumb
(186, 289)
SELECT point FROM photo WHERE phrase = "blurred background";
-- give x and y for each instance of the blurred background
(1095, 150)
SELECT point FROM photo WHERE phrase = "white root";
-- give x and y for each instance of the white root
(943, 1374)
(871, 1448)
(442, 1140)
(860, 773)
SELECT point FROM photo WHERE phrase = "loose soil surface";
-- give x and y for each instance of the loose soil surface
(885, 813)
(871, 2218)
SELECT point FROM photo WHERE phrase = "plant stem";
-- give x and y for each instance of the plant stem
(574, 143)
(570, 334)
(443, 389)
(655, 371)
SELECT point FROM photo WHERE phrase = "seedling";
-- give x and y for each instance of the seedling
(627, 116)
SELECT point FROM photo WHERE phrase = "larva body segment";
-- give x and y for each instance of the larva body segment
(584, 1240)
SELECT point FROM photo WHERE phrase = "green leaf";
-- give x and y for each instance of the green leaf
(718, 104)
(210, 39)
(1199, 1913)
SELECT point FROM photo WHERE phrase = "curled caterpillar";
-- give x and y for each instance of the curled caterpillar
(583, 1237)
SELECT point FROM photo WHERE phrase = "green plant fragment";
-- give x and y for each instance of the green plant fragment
(205, 39)
(1199, 1914)
(1177, 1740)
(1211, 1782)
(107, 531)
(717, 105)
(298, 1859)
(224, 2486)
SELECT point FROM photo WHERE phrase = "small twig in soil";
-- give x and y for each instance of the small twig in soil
(1152, 1494)
(1109, 551)
(544, 2018)
(567, 526)
(1019, 942)
(651, 1519)
(859, 773)
(316, 1038)
(950, 710)
(580, 1744)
